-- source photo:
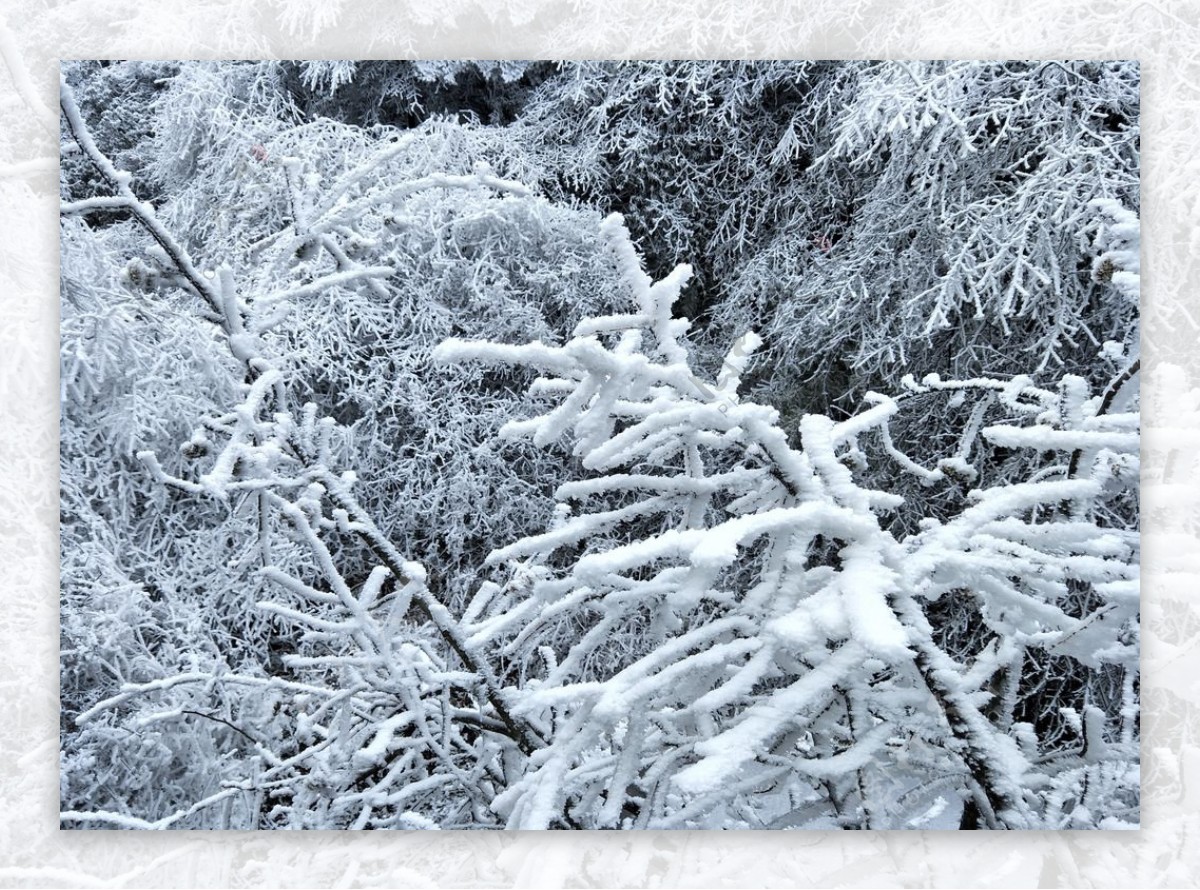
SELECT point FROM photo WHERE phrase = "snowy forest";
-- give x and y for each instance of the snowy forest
(599, 445)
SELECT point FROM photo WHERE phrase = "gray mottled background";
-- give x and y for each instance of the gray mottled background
(34, 34)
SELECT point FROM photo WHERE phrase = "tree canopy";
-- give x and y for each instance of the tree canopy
(408, 481)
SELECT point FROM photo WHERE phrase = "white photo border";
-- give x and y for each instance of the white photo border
(35, 34)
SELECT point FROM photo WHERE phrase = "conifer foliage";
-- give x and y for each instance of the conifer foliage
(400, 494)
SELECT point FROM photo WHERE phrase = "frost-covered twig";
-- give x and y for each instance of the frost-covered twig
(748, 627)
(288, 463)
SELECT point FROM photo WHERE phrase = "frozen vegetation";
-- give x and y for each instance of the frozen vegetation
(595, 445)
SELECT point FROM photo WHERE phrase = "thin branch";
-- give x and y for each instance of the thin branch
(217, 719)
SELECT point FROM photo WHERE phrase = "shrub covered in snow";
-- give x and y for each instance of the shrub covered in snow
(569, 568)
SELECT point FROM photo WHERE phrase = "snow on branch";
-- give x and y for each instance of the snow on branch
(810, 583)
